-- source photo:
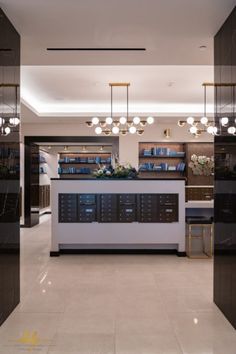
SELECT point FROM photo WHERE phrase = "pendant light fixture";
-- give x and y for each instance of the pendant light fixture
(203, 125)
(120, 125)
(8, 124)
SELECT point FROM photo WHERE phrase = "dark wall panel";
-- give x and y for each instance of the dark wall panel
(9, 169)
(225, 173)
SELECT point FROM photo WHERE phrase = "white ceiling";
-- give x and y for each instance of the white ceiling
(84, 91)
(170, 30)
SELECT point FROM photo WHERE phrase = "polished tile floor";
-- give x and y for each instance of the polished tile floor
(123, 304)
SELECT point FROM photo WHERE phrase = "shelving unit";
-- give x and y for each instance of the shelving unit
(81, 164)
(164, 159)
(199, 187)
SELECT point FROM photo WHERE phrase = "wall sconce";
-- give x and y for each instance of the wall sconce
(167, 133)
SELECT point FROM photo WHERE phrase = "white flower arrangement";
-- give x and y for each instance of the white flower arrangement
(202, 165)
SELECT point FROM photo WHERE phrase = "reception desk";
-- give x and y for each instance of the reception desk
(117, 214)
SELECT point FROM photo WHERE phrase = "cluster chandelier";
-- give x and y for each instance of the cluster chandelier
(122, 125)
(196, 126)
(225, 124)
(8, 123)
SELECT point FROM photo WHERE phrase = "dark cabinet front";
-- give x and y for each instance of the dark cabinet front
(118, 208)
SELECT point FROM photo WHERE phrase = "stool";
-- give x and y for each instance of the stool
(204, 224)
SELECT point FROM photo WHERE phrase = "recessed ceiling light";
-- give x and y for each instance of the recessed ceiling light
(202, 48)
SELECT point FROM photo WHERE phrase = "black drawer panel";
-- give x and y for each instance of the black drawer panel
(108, 208)
(68, 208)
(123, 208)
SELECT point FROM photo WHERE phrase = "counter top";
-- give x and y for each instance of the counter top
(200, 204)
(118, 179)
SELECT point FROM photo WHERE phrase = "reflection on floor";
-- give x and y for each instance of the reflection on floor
(113, 304)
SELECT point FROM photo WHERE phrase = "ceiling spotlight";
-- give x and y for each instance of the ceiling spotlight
(181, 123)
(2, 121)
(132, 130)
(123, 120)
(89, 124)
(193, 130)
(190, 120)
(210, 129)
(124, 132)
(150, 120)
(98, 130)
(95, 120)
(140, 131)
(115, 130)
(224, 121)
(204, 120)
(231, 130)
(143, 123)
(202, 48)
(136, 120)
(107, 132)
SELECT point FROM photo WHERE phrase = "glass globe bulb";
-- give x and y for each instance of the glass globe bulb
(210, 129)
(215, 130)
(14, 121)
(136, 120)
(95, 120)
(132, 130)
(2, 121)
(224, 121)
(98, 130)
(204, 120)
(150, 120)
(193, 130)
(109, 120)
(190, 120)
(7, 130)
(123, 120)
(115, 130)
(231, 130)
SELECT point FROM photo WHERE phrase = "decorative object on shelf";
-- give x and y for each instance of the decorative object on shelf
(122, 125)
(7, 124)
(119, 171)
(202, 165)
(225, 124)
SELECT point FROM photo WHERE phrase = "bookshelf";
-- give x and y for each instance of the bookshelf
(162, 160)
(81, 164)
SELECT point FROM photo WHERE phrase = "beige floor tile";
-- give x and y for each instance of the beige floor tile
(207, 332)
(90, 343)
(114, 304)
(147, 344)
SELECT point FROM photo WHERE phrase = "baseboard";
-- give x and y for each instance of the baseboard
(117, 251)
(54, 253)
(181, 254)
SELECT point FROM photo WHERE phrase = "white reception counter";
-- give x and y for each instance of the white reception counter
(97, 214)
